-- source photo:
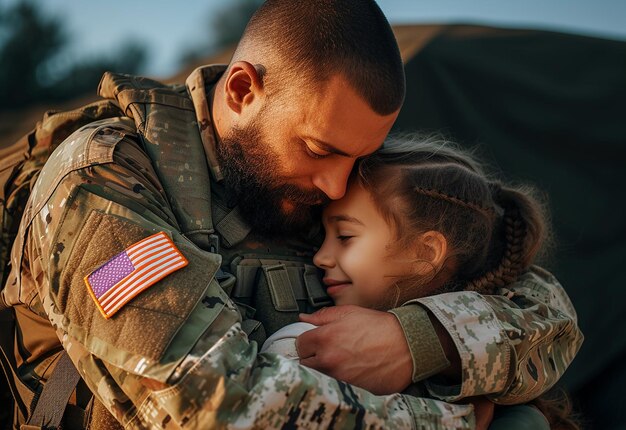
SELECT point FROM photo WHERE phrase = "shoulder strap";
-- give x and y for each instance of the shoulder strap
(166, 121)
(55, 395)
(47, 408)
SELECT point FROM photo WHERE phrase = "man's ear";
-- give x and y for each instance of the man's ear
(432, 249)
(243, 84)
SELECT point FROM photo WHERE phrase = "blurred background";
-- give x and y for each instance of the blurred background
(538, 86)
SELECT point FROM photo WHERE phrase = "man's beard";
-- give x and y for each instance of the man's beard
(250, 176)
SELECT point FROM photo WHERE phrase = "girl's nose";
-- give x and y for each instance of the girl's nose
(323, 258)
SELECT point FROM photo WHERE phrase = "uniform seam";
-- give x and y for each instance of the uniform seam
(79, 164)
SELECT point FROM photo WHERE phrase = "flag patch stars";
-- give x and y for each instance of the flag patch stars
(139, 266)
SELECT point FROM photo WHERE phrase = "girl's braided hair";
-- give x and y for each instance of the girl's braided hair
(494, 230)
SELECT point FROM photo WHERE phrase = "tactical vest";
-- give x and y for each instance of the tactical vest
(270, 279)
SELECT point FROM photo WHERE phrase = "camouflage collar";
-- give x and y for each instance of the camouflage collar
(199, 84)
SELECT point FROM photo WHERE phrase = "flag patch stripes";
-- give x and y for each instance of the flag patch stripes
(127, 274)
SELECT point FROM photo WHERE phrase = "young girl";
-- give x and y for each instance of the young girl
(422, 218)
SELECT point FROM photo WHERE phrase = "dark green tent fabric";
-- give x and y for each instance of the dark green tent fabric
(549, 109)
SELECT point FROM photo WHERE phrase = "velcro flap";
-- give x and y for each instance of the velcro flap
(232, 228)
(145, 325)
(280, 288)
(315, 291)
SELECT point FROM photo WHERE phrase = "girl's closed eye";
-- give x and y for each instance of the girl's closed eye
(344, 238)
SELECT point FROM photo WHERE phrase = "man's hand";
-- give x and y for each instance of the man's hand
(361, 346)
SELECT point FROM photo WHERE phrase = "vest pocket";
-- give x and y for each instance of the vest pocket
(277, 289)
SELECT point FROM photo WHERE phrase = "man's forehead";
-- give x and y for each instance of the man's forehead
(340, 118)
(346, 138)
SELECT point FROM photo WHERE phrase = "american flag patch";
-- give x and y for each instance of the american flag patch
(133, 270)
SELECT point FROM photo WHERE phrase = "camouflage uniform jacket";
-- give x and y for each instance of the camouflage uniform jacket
(176, 355)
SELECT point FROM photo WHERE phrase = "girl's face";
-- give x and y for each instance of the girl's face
(358, 255)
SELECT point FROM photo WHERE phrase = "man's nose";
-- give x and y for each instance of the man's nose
(333, 181)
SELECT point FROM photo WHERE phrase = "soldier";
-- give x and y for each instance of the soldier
(156, 244)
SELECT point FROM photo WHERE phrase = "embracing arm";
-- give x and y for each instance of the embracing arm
(175, 355)
(512, 347)
(221, 382)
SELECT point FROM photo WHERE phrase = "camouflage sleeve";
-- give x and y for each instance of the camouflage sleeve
(174, 356)
(513, 346)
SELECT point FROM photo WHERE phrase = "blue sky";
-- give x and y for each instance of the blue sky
(100, 26)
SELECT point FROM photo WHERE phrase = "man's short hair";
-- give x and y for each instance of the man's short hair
(317, 39)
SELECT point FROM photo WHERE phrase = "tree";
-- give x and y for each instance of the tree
(30, 41)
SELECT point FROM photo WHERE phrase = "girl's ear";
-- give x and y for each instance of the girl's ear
(432, 250)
